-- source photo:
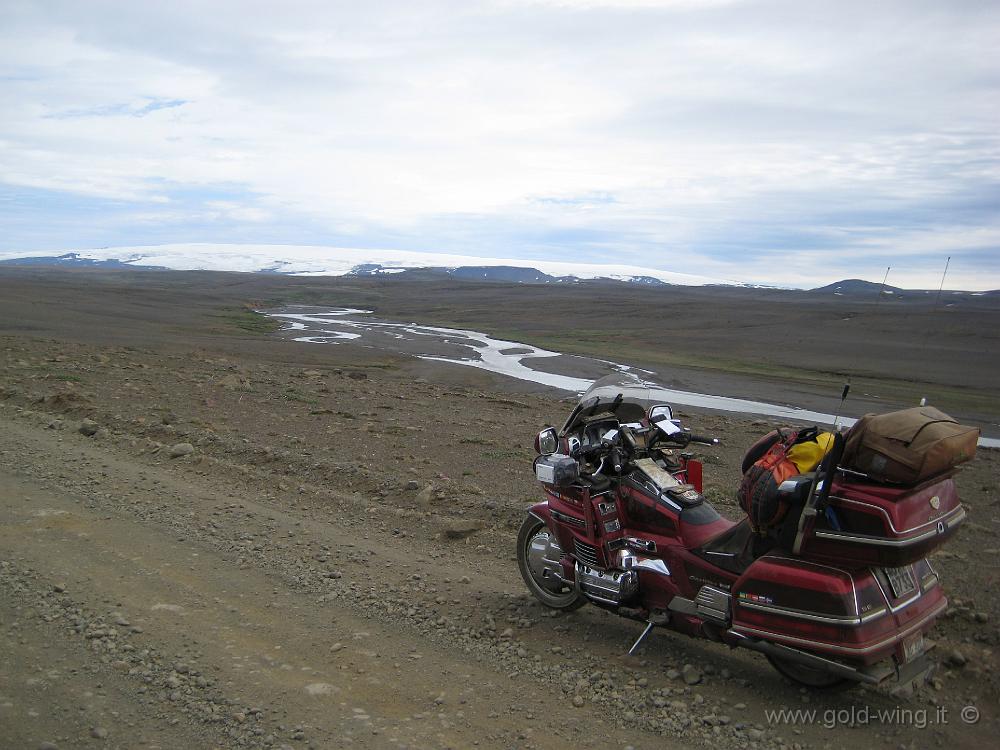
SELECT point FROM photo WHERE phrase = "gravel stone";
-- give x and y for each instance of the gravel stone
(181, 449)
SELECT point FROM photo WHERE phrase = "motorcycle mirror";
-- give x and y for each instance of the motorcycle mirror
(661, 416)
(659, 412)
(547, 442)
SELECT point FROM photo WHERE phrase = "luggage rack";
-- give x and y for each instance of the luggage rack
(819, 494)
(855, 474)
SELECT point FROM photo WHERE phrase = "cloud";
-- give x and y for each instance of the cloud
(722, 135)
(123, 108)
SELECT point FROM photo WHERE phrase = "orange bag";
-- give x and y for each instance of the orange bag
(758, 491)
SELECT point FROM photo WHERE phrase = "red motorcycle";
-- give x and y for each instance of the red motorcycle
(841, 592)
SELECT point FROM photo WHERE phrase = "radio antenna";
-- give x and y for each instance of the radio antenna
(941, 288)
(847, 385)
(937, 300)
(840, 406)
(881, 289)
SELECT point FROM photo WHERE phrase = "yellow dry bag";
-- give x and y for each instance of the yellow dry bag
(807, 455)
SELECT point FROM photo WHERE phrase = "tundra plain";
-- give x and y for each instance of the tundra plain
(214, 536)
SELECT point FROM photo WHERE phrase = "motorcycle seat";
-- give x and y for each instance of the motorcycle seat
(735, 548)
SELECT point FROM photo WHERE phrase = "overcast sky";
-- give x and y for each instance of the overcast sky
(779, 142)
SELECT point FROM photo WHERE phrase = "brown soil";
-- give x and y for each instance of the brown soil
(332, 565)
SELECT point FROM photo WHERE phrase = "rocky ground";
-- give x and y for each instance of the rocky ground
(204, 545)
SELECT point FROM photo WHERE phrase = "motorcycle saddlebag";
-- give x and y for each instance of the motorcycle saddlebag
(908, 446)
(879, 524)
(854, 615)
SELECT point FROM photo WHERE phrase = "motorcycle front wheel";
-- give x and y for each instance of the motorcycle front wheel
(536, 547)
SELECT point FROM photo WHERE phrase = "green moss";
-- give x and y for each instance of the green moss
(54, 371)
(63, 377)
(246, 319)
(290, 394)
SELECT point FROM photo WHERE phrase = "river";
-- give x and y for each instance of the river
(513, 358)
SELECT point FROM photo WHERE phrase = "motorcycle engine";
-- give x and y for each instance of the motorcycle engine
(607, 586)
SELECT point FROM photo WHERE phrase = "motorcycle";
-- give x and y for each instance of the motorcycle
(842, 593)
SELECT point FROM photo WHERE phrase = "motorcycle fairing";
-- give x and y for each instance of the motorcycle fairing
(619, 395)
(850, 614)
(573, 514)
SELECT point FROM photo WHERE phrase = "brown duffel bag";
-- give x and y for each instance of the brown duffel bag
(908, 446)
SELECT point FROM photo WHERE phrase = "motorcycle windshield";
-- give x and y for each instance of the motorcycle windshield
(621, 395)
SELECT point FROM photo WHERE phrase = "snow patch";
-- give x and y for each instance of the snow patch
(309, 260)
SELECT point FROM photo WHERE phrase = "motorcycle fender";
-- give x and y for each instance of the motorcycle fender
(541, 512)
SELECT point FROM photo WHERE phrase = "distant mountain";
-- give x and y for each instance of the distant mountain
(856, 287)
(861, 289)
(74, 259)
(647, 280)
(499, 274)
(372, 269)
(308, 260)
(516, 274)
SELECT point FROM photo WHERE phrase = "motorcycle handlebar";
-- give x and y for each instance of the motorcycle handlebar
(596, 451)
(618, 455)
(684, 438)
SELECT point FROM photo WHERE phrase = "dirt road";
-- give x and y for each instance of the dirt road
(163, 632)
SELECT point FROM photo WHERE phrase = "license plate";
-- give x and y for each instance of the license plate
(901, 580)
(913, 647)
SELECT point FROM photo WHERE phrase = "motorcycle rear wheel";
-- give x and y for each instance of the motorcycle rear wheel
(809, 677)
(565, 597)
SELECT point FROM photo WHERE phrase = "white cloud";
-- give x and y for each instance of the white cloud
(698, 124)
